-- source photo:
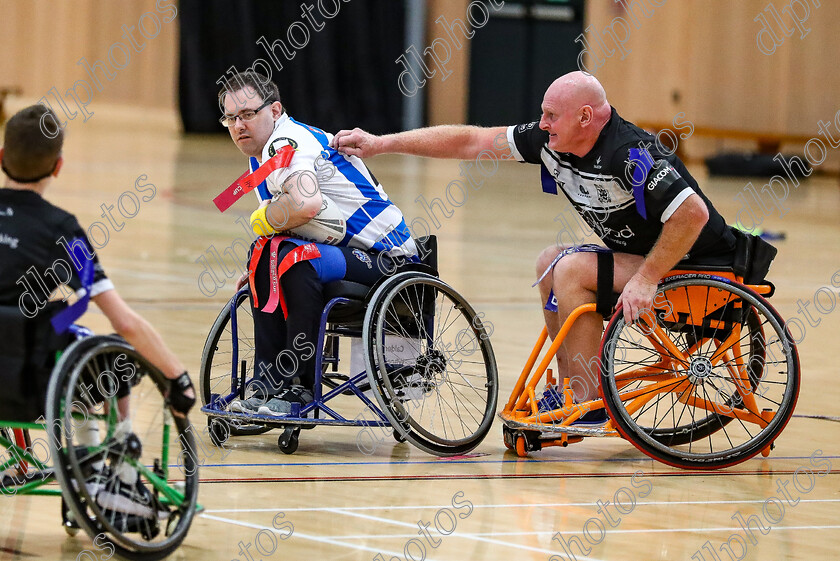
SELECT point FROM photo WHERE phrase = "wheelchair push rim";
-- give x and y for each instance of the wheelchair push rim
(707, 381)
(441, 394)
(133, 537)
(221, 348)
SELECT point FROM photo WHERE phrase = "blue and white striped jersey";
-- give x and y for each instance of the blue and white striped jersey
(373, 221)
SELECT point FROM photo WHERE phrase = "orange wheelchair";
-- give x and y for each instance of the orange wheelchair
(707, 378)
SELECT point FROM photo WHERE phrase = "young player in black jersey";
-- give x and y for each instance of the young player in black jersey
(41, 248)
(643, 204)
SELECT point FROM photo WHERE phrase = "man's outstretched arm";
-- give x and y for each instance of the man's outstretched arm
(461, 142)
(143, 337)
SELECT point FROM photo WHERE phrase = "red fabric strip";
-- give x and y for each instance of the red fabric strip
(252, 267)
(246, 182)
(297, 255)
(273, 297)
(255, 259)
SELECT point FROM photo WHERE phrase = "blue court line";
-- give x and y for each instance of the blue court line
(444, 462)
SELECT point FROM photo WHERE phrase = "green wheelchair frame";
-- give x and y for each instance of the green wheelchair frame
(132, 537)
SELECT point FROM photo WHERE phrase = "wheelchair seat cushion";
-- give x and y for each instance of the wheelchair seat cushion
(346, 289)
(27, 356)
(352, 311)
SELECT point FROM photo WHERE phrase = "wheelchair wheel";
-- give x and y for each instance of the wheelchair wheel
(120, 491)
(216, 365)
(429, 357)
(708, 380)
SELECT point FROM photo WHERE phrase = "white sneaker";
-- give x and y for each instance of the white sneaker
(121, 497)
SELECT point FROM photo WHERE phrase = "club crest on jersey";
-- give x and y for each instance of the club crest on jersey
(603, 195)
(363, 257)
(278, 143)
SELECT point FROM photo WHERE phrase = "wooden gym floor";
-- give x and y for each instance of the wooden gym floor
(344, 504)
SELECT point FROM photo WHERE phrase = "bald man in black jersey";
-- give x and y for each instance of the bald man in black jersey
(642, 203)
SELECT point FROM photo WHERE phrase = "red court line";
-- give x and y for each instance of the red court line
(695, 473)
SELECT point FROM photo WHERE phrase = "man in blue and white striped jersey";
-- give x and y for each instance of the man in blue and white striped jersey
(321, 196)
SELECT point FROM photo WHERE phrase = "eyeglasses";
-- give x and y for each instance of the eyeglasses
(247, 115)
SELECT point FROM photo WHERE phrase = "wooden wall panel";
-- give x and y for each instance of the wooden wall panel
(697, 56)
(447, 100)
(41, 42)
(706, 50)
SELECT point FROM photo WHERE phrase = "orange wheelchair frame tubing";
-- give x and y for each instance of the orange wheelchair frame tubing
(522, 408)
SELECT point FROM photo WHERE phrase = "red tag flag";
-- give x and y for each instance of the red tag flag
(246, 182)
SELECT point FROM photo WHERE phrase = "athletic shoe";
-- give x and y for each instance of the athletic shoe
(281, 405)
(594, 417)
(96, 481)
(250, 405)
(125, 498)
(553, 399)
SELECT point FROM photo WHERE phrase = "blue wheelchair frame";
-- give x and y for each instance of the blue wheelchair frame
(219, 403)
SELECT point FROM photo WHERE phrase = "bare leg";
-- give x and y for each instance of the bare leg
(552, 319)
(574, 281)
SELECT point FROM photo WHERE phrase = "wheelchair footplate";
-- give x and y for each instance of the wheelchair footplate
(524, 436)
(220, 423)
(275, 421)
(531, 430)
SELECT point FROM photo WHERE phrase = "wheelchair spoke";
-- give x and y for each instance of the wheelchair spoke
(738, 366)
(103, 484)
(446, 400)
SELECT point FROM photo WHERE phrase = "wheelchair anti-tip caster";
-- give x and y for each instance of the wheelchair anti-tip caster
(526, 441)
(508, 437)
(398, 436)
(288, 441)
(67, 521)
(219, 430)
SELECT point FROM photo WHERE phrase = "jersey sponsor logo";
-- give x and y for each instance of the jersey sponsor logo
(279, 143)
(6, 239)
(662, 174)
(597, 163)
(615, 235)
(523, 128)
(556, 174)
(7, 212)
(582, 188)
(363, 257)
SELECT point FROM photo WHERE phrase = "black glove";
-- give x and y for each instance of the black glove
(177, 390)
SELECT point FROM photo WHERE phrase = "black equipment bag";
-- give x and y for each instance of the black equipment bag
(753, 257)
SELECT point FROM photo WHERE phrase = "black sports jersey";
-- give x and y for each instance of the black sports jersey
(625, 188)
(34, 258)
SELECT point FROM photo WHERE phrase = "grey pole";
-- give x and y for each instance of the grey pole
(415, 24)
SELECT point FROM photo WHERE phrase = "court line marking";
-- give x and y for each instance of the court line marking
(454, 534)
(513, 461)
(321, 539)
(609, 531)
(515, 505)
(500, 476)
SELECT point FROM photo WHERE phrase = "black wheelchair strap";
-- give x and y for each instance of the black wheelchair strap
(604, 294)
